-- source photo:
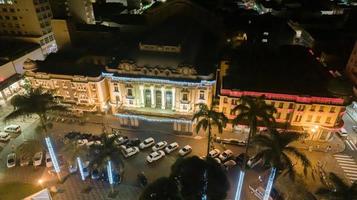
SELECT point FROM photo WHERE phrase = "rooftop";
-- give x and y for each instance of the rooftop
(70, 63)
(12, 49)
(287, 70)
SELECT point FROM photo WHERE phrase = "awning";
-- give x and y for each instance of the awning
(41, 195)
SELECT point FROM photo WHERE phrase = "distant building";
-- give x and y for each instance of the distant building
(300, 92)
(61, 32)
(351, 68)
(13, 54)
(79, 10)
(28, 20)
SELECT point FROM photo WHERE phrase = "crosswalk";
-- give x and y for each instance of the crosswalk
(348, 165)
(349, 143)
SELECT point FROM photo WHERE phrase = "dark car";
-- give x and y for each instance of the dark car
(240, 159)
(95, 174)
(133, 142)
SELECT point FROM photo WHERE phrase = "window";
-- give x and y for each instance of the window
(225, 100)
(272, 103)
(332, 109)
(14, 17)
(7, 17)
(321, 109)
(12, 10)
(130, 92)
(131, 102)
(288, 116)
(312, 108)
(117, 99)
(298, 118)
(224, 109)
(281, 105)
(309, 118)
(232, 112)
(184, 97)
(291, 105)
(4, 9)
(202, 95)
(317, 120)
(328, 120)
(116, 89)
(278, 115)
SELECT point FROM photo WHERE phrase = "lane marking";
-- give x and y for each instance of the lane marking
(341, 155)
(348, 162)
(345, 167)
(349, 145)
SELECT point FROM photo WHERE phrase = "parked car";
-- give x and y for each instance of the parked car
(81, 142)
(4, 137)
(121, 140)
(354, 128)
(11, 160)
(133, 142)
(240, 159)
(13, 128)
(231, 141)
(342, 132)
(154, 156)
(130, 151)
(72, 168)
(172, 147)
(185, 150)
(214, 153)
(160, 145)
(37, 158)
(218, 160)
(24, 160)
(95, 142)
(147, 143)
(85, 169)
(95, 174)
(225, 155)
(252, 162)
(229, 164)
(48, 160)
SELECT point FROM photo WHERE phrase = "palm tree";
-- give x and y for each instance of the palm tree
(208, 117)
(253, 110)
(72, 150)
(35, 101)
(275, 151)
(339, 190)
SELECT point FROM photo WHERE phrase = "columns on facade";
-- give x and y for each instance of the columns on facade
(142, 102)
(173, 98)
(163, 100)
(152, 97)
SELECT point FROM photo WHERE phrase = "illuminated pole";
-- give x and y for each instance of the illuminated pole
(53, 157)
(110, 174)
(205, 185)
(80, 166)
(240, 185)
(270, 184)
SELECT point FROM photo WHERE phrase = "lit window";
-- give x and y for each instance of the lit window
(288, 116)
(328, 120)
(321, 109)
(312, 108)
(291, 105)
(225, 100)
(332, 110)
(281, 105)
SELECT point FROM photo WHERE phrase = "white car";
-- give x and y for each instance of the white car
(154, 156)
(218, 160)
(121, 140)
(97, 142)
(159, 146)
(12, 128)
(4, 137)
(11, 160)
(229, 164)
(82, 142)
(37, 159)
(147, 143)
(214, 153)
(225, 155)
(127, 152)
(185, 150)
(73, 168)
(48, 160)
(172, 147)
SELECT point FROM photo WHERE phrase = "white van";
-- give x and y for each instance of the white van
(12, 128)
(4, 137)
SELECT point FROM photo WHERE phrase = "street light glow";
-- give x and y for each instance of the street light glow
(80, 168)
(110, 173)
(240, 185)
(52, 155)
(270, 184)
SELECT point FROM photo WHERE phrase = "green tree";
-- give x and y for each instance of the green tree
(163, 188)
(253, 110)
(207, 118)
(276, 151)
(340, 190)
(35, 101)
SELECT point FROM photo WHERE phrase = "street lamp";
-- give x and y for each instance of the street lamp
(40, 181)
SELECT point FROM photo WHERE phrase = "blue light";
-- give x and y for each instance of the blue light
(80, 168)
(110, 173)
(270, 184)
(167, 120)
(161, 81)
(52, 155)
(240, 185)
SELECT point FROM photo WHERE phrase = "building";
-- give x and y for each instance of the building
(28, 20)
(61, 32)
(80, 11)
(300, 92)
(12, 56)
(351, 68)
